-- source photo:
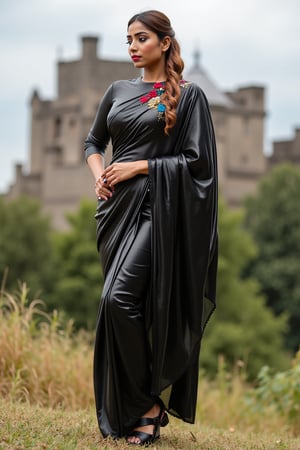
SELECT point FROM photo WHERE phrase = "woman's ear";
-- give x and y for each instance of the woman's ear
(166, 42)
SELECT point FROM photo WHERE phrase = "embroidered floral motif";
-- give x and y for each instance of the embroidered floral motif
(184, 83)
(153, 98)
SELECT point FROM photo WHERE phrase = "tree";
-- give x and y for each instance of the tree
(273, 218)
(242, 327)
(79, 276)
(25, 244)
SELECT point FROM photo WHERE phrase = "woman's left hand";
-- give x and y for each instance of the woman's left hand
(117, 172)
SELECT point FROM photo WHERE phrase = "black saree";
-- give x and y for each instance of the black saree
(180, 298)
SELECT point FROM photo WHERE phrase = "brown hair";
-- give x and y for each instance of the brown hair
(159, 23)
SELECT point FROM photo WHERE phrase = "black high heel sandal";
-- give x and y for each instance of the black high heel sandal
(146, 438)
(164, 418)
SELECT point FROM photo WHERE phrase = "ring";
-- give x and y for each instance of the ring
(99, 198)
(104, 180)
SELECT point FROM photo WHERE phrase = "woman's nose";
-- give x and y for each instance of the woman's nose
(132, 46)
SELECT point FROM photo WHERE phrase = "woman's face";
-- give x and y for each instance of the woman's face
(145, 48)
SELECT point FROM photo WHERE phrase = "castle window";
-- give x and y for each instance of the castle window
(57, 127)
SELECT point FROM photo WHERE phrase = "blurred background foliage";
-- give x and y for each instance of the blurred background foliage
(242, 328)
(273, 219)
(257, 318)
(79, 277)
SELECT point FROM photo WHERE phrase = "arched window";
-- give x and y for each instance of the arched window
(57, 126)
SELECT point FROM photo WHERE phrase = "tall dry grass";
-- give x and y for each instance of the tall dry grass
(41, 361)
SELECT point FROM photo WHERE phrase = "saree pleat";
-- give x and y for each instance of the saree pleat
(111, 401)
(184, 236)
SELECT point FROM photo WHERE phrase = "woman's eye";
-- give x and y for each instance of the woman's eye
(140, 39)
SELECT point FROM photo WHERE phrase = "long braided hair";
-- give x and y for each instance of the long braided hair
(160, 24)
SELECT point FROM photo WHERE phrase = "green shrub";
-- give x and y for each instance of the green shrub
(280, 392)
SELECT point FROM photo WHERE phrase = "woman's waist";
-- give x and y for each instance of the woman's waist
(151, 150)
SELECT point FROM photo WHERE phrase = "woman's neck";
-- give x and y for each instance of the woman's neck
(154, 76)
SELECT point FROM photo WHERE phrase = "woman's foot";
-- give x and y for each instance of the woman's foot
(138, 436)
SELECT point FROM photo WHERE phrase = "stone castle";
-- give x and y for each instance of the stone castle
(58, 175)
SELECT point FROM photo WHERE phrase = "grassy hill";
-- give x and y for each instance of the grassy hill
(32, 427)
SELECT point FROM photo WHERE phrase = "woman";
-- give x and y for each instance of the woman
(157, 237)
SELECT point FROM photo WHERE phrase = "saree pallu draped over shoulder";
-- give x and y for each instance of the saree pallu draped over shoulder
(182, 188)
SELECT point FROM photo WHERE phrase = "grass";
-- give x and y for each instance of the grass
(46, 394)
(41, 361)
(26, 426)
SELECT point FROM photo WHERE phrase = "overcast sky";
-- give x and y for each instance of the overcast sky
(242, 42)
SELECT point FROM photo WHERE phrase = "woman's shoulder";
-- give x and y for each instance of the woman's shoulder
(192, 87)
(125, 83)
(125, 86)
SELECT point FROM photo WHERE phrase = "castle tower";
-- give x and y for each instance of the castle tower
(238, 119)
